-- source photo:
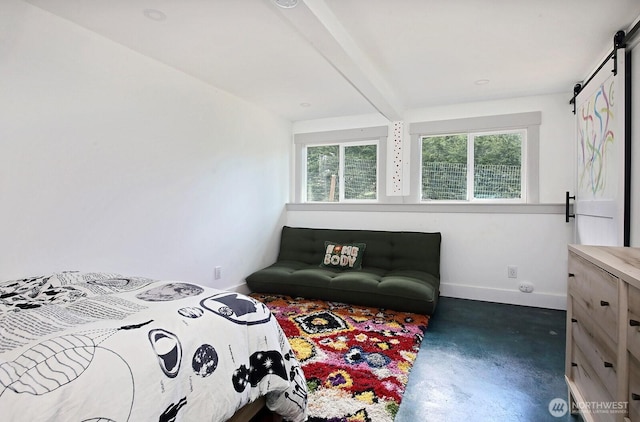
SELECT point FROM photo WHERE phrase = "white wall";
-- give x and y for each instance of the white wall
(110, 161)
(477, 248)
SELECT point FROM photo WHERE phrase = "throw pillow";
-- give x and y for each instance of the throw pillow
(346, 256)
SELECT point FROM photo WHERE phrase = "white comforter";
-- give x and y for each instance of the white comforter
(103, 347)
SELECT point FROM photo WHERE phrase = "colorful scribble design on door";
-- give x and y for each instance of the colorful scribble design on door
(596, 136)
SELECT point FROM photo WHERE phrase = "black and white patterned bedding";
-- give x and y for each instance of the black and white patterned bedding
(103, 347)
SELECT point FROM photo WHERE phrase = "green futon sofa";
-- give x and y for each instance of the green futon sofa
(386, 269)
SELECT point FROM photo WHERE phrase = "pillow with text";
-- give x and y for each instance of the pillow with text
(346, 256)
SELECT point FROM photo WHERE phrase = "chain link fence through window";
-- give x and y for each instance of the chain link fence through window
(440, 181)
(360, 180)
(448, 181)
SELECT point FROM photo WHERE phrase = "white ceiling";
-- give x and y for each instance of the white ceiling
(347, 57)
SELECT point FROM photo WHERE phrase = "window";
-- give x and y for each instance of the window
(478, 159)
(342, 172)
(473, 166)
(341, 166)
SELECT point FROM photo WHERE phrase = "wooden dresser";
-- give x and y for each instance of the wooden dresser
(603, 332)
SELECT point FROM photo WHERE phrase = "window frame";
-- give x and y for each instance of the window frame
(528, 122)
(347, 137)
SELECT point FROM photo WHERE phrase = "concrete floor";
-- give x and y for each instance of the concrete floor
(482, 361)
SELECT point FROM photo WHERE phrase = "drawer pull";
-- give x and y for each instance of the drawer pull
(634, 323)
(604, 303)
(572, 275)
(635, 396)
(575, 320)
(574, 364)
(608, 365)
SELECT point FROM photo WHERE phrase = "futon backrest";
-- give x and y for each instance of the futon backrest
(388, 250)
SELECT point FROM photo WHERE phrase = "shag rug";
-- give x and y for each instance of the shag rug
(356, 359)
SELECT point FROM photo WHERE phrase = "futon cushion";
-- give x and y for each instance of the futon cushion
(400, 290)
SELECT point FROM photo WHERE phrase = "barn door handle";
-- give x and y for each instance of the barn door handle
(566, 207)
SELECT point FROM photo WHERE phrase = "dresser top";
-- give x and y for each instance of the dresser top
(619, 261)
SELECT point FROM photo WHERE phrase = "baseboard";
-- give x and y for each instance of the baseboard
(240, 288)
(513, 297)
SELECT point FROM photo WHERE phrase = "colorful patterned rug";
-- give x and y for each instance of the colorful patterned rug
(356, 360)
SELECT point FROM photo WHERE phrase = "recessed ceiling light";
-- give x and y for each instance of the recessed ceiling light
(305, 105)
(286, 4)
(154, 14)
(482, 81)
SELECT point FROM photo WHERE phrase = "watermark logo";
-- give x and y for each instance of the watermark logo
(558, 407)
(610, 407)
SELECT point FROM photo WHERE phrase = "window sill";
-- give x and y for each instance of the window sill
(468, 208)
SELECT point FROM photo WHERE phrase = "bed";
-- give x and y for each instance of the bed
(103, 347)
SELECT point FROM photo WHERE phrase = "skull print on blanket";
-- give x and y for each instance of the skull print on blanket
(100, 346)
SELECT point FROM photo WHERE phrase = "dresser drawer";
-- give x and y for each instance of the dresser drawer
(633, 321)
(594, 347)
(585, 379)
(597, 291)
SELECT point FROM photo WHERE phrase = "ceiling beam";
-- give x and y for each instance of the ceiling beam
(315, 21)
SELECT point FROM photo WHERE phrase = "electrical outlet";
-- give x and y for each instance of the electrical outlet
(217, 273)
(512, 271)
(526, 287)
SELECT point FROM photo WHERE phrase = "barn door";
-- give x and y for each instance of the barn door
(599, 206)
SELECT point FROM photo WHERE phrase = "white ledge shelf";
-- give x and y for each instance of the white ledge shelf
(467, 208)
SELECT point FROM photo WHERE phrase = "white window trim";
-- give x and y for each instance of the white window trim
(531, 152)
(346, 136)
